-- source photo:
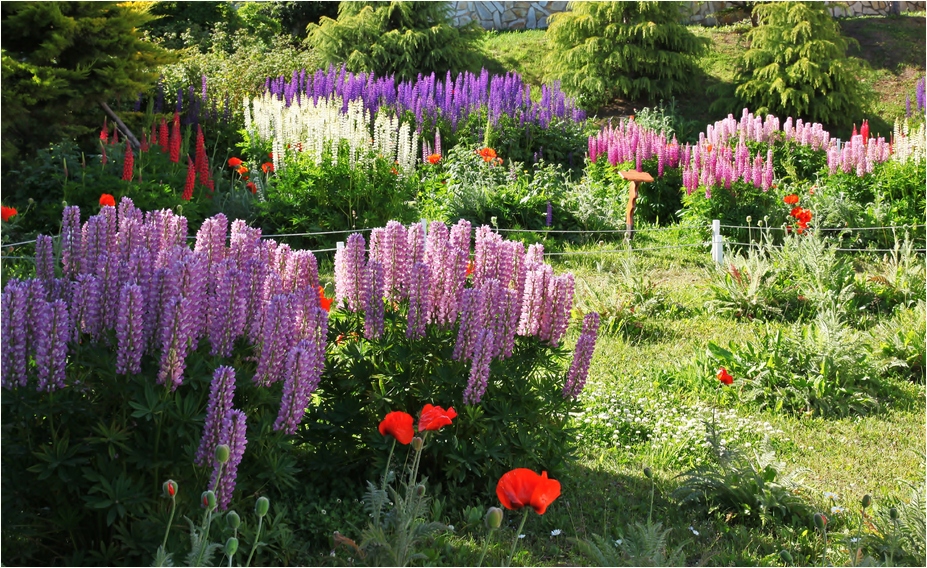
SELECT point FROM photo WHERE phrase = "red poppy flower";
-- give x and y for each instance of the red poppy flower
(522, 487)
(470, 266)
(725, 377)
(234, 162)
(267, 167)
(326, 303)
(394, 171)
(8, 212)
(398, 424)
(250, 185)
(242, 170)
(434, 159)
(795, 212)
(107, 200)
(708, 147)
(435, 417)
(790, 199)
(487, 154)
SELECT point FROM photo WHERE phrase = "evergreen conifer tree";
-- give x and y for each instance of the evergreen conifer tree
(61, 60)
(401, 38)
(797, 65)
(635, 50)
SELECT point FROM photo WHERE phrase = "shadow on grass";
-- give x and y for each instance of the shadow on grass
(887, 42)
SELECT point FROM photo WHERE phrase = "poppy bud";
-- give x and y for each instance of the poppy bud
(749, 219)
(170, 488)
(786, 556)
(417, 443)
(493, 518)
(867, 500)
(209, 499)
(232, 520)
(222, 453)
(893, 514)
(820, 521)
(231, 546)
(419, 490)
(648, 472)
(261, 507)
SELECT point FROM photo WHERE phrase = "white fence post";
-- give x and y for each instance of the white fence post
(717, 242)
(339, 246)
(425, 226)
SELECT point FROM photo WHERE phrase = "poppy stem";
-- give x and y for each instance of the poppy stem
(485, 547)
(515, 540)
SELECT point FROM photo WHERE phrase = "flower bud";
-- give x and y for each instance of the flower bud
(261, 506)
(893, 514)
(170, 488)
(232, 520)
(231, 546)
(420, 490)
(493, 518)
(749, 219)
(820, 521)
(867, 500)
(648, 472)
(786, 556)
(208, 498)
(222, 453)
(417, 443)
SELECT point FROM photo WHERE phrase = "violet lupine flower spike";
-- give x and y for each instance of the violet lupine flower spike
(302, 379)
(419, 301)
(582, 356)
(71, 241)
(234, 435)
(349, 273)
(479, 369)
(221, 394)
(51, 350)
(375, 311)
(44, 258)
(130, 325)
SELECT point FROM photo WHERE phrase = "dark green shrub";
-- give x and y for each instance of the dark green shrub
(180, 25)
(635, 50)
(396, 38)
(60, 60)
(797, 65)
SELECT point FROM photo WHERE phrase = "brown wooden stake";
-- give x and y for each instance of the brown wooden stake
(122, 126)
(635, 178)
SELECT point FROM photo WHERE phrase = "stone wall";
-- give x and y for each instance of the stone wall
(533, 15)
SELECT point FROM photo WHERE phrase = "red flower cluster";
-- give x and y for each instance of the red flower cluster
(8, 212)
(488, 154)
(522, 487)
(435, 417)
(267, 167)
(191, 181)
(128, 164)
(803, 216)
(790, 199)
(434, 159)
(175, 139)
(325, 303)
(398, 424)
(725, 377)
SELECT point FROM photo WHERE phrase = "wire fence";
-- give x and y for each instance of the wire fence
(826, 229)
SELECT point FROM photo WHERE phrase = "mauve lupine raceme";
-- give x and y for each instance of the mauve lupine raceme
(234, 429)
(221, 394)
(582, 356)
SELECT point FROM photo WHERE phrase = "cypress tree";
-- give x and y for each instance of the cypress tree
(60, 60)
(797, 65)
(604, 50)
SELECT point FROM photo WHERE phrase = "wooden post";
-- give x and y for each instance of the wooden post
(635, 178)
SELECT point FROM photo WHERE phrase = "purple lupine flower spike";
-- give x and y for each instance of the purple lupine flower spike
(71, 240)
(479, 368)
(349, 273)
(582, 356)
(221, 395)
(175, 334)
(550, 215)
(277, 336)
(419, 301)
(234, 435)
(375, 311)
(130, 324)
(51, 349)
(302, 379)
(44, 258)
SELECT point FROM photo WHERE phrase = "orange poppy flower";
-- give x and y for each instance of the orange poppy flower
(8, 212)
(522, 487)
(487, 154)
(326, 303)
(435, 417)
(107, 200)
(267, 167)
(250, 185)
(242, 170)
(790, 199)
(234, 162)
(397, 424)
(725, 377)
(434, 159)
(708, 147)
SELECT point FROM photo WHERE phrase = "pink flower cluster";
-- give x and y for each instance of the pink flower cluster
(628, 142)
